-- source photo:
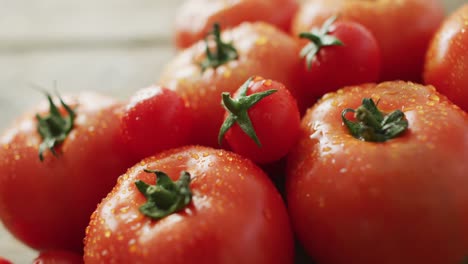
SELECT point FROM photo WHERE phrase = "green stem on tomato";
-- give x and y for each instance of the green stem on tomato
(167, 196)
(54, 128)
(319, 38)
(372, 125)
(223, 52)
(238, 111)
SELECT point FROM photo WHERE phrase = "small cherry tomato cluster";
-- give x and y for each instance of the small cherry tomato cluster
(322, 132)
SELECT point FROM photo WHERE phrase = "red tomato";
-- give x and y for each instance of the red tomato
(47, 204)
(226, 210)
(200, 78)
(195, 17)
(155, 119)
(447, 58)
(58, 257)
(339, 54)
(4, 261)
(402, 28)
(261, 121)
(403, 200)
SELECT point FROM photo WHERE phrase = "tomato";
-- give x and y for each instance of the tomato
(446, 64)
(400, 199)
(338, 54)
(221, 209)
(200, 76)
(195, 18)
(58, 257)
(261, 121)
(4, 261)
(155, 119)
(402, 28)
(47, 204)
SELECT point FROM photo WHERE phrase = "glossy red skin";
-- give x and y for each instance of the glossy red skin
(47, 205)
(195, 18)
(263, 50)
(155, 119)
(236, 215)
(4, 261)
(403, 201)
(357, 61)
(402, 28)
(446, 64)
(58, 257)
(276, 121)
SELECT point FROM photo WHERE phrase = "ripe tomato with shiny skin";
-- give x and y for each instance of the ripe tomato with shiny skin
(195, 18)
(153, 120)
(339, 53)
(201, 75)
(261, 121)
(398, 199)
(403, 28)
(47, 204)
(446, 64)
(209, 206)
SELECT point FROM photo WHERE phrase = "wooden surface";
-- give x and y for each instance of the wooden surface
(112, 46)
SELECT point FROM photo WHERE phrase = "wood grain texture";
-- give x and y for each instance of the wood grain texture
(111, 46)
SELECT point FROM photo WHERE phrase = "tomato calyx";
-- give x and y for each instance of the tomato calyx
(319, 38)
(54, 128)
(224, 52)
(237, 109)
(373, 125)
(167, 196)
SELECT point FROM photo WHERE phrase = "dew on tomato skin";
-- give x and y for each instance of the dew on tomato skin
(261, 40)
(194, 156)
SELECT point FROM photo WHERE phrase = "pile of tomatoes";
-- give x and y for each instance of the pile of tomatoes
(323, 132)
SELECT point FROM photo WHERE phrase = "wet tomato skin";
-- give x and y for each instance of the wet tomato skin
(154, 119)
(403, 29)
(404, 198)
(446, 63)
(47, 204)
(358, 60)
(195, 17)
(260, 48)
(275, 120)
(235, 216)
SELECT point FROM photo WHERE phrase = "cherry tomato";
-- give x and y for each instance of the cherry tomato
(58, 257)
(447, 58)
(402, 28)
(261, 121)
(338, 54)
(195, 18)
(155, 119)
(209, 206)
(47, 204)
(392, 189)
(200, 74)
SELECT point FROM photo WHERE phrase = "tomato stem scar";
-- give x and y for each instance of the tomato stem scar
(166, 196)
(372, 124)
